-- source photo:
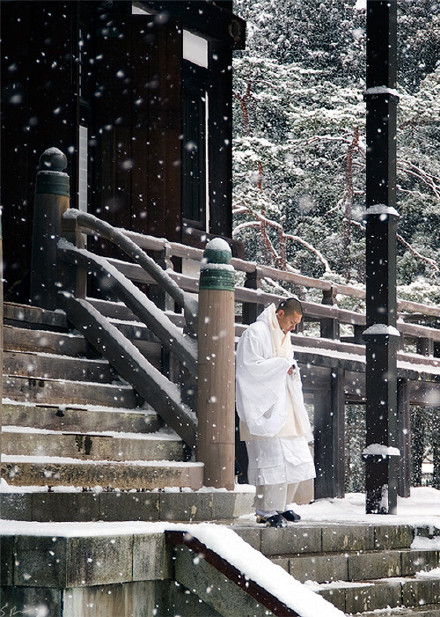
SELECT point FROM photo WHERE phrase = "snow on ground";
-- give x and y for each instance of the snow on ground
(421, 508)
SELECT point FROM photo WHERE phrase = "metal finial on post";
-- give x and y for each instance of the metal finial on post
(52, 199)
(216, 381)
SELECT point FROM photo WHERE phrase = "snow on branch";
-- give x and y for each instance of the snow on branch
(406, 244)
(261, 223)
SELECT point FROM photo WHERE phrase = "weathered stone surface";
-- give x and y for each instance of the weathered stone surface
(95, 447)
(251, 535)
(319, 568)
(40, 561)
(6, 560)
(61, 367)
(372, 597)
(418, 592)
(347, 538)
(416, 561)
(31, 601)
(16, 506)
(366, 566)
(152, 558)
(227, 506)
(65, 507)
(393, 536)
(334, 595)
(99, 560)
(213, 587)
(40, 390)
(67, 418)
(112, 474)
(127, 599)
(187, 506)
(139, 506)
(291, 540)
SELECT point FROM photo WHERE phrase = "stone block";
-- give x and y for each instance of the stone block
(152, 559)
(372, 597)
(226, 506)
(7, 560)
(251, 535)
(293, 540)
(178, 600)
(283, 562)
(393, 536)
(417, 561)
(213, 588)
(58, 507)
(134, 599)
(40, 561)
(31, 601)
(367, 566)
(419, 592)
(99, 560)
(138, 506)
(347, 538)
(16, 506)
(319, 568)
(334, 595)
(186, 507)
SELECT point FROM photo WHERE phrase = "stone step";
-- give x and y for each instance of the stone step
(63, 471)
(317, 538)
(357, 566)
(61, 505)
(425, 611)
(377, 595)
(32, 364)
(86, 418)
(103, 446)
(42, 390)
(22, 339)
(34, 317)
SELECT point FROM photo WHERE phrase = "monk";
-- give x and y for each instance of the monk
(273, 419)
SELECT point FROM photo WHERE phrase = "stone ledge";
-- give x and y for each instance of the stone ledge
(186, 506)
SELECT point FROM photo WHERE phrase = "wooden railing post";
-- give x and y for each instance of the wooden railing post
(52, 199)
(1, 326)
(251, 310)
(216, 379)
(329, 326)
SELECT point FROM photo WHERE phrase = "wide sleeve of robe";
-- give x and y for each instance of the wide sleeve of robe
(261, 382)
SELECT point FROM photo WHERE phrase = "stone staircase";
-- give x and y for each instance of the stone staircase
(363, 569)
(70, 421)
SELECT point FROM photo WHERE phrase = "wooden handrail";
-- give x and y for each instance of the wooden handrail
(271, 602)
(248, 267)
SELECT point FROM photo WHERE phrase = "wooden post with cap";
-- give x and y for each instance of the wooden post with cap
(216, 378)
(52, 199)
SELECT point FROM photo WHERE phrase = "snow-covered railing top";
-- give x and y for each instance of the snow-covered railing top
(176, 249)
(121, 239)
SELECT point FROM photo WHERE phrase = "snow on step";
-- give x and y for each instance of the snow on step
(66, 471)
(106, 445)
(72, 417)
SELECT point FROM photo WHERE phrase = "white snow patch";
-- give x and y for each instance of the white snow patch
(380, 328)
(380, 450)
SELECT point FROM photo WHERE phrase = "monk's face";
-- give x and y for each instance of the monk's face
(288, 321)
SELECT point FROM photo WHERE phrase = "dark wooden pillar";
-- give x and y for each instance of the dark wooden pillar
(220, 139)
(381, 335)
(329, 326)
(404, 437)
(252, 310)
(330, 438)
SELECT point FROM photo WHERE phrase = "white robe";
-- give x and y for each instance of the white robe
(270, 405)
